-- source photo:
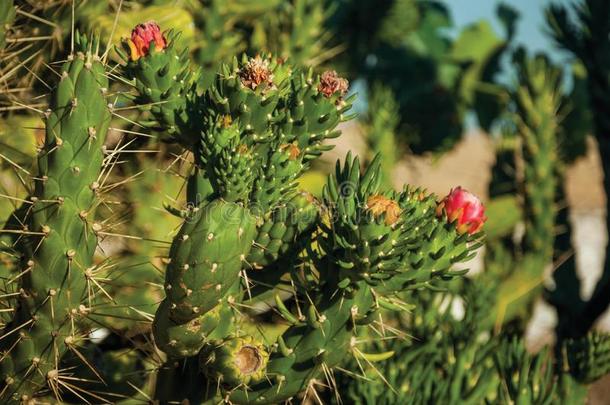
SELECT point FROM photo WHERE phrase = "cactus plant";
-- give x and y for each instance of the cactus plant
(450, 358)
(513, 278)
(382, 123)
(248, 289)
(538, 99)
(260, 124)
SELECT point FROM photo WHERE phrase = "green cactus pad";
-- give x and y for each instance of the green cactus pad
(207, 257)
(58, 255)
(166, 86)
(279, 233)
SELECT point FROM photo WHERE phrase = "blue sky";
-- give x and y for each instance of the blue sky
(529, 31)
(530, 25)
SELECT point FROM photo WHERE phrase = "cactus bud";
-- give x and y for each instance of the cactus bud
(331, 83)
(142, 36)
(379, 204)
(464, 208)
(256, 72)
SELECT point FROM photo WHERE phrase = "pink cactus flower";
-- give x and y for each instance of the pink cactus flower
(141, 37)
(463, 208)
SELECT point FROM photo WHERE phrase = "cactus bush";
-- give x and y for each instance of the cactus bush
(258, 127)
(248, 234)
(535, 145)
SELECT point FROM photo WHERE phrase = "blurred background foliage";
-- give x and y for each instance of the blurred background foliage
(422, 83)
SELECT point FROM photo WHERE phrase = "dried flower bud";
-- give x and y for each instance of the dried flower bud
(256, 72)
(379, 204)
(331, 83)
(292, 149)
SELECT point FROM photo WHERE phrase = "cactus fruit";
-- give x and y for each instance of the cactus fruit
(331, 84)
(60, 235)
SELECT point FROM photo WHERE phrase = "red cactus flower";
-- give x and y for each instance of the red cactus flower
(142, 36)
(464, 208)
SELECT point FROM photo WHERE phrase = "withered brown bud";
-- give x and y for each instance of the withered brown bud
(256, 72)
(379, 204)
(331, 83)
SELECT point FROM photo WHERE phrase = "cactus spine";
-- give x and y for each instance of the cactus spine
(7, 16)
(60, 233)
